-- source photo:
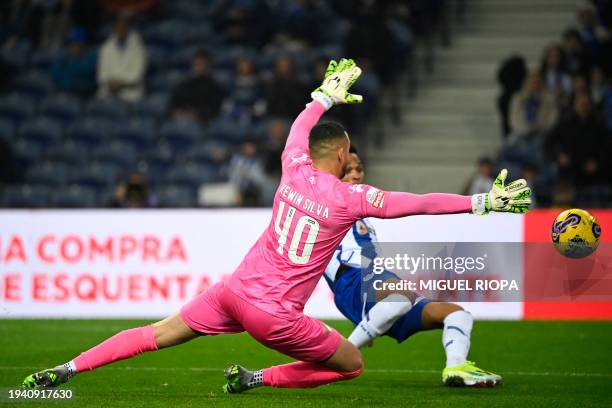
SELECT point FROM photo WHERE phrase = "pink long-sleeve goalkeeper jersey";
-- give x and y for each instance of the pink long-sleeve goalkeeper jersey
(312, 212)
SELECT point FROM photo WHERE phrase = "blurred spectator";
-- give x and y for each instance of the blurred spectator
(128, 6)
(275, 143)
(599, 86)
(74, 69)
(246, 172)
(246, 91)
(554, 73)
(132, 193)
(122, 64)
(510, 76)
(286, 93)
(200, 96)
(533, 109)
(591, 32)
(578, 144)
(482, 180)
(576, 57)
(241, 21)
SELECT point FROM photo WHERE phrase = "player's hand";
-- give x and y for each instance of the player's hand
(514, 197)
(339, 77)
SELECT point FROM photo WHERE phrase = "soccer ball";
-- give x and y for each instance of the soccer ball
(575, 233)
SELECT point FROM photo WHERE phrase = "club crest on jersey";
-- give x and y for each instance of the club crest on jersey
(362, 228)
(299, 159)
(355, 188)
(375, 197)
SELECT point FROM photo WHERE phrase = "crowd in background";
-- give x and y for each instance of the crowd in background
(556, 119)
(174, 95)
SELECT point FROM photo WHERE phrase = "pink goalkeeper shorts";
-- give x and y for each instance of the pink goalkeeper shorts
(218, 311)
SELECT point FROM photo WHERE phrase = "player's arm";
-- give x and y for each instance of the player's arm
(513, 197)
(339, 77)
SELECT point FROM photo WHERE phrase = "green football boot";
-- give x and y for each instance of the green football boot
(238, 379)
(51, 377)
(468, 375)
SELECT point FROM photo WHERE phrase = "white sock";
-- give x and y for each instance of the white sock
(257, 380)
(380, 319)
(456, 337)
(71, 368)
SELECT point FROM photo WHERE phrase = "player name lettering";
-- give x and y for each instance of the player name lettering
(307, 204)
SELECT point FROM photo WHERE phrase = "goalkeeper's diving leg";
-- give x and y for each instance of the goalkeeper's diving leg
(125, 344)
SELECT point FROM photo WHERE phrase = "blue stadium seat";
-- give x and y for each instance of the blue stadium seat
(157, 58)
(108, 108)
(227, 131)
(117, 152)
(190, 174)
(16, 58)
(93, 131)
(166, 80)
(182, 59)
(61, 106)
(7, 129)
(176, 196)
(48, 173)
(71, 152)
(211, 153)
(157, 162)
(153, 106)
(43, 58)
(181, 135)
(76, 196)
(27, 152)
(44, 130)
(168, 34)
(35, 83)
(98, 175)
(27, 196)
(138, 133)
(16, 107)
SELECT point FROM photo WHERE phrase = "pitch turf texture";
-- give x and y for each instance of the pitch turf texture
(544, 364)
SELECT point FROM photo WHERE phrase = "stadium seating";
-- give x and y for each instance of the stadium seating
(48, 173)
(107, 108)
(16, 107)
(35, 83)
(92, 131)
(27, 196)
(176, 196)
(76, 196)
(43, 130)
(63, 107)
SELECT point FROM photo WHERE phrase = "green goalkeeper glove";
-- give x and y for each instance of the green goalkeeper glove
(339, 77)
(511, 198)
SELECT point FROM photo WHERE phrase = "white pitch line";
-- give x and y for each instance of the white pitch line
(367, 370)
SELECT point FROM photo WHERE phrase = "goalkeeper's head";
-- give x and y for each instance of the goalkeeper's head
(329, 146)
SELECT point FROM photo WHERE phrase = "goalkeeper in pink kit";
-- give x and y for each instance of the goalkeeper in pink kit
(313, 210)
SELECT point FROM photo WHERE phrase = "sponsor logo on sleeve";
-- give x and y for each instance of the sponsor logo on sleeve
(375, 197)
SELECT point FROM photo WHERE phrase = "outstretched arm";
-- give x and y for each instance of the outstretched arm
(297, 141)
(400, 204)
(368, 201)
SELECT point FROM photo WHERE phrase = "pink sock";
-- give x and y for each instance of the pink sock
(304, 375)
(122, 345)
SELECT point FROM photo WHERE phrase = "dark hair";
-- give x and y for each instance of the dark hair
(325, 136)
(201, 54)
(485, 161)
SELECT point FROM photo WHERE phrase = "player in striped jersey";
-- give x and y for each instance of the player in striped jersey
(397, 314)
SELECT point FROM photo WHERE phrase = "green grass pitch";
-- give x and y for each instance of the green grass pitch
(544, 364)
